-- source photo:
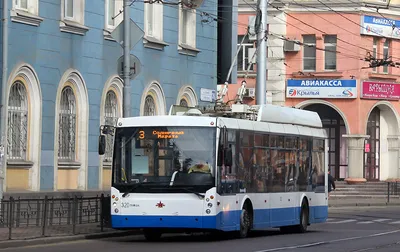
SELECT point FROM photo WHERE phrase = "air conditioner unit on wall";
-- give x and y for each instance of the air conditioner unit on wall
(250, 92)
(291, 46)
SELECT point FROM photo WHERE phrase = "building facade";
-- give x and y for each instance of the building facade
(63, 82)
(330, 73)
(246, 60)
(323, 54)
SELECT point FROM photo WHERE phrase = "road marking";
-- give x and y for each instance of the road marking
(328, 242)
(365, 222)
(381, 220)
(343, 221)
(329, 219)
(395, 222)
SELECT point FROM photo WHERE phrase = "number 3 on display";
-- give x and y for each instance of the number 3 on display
(141, 134)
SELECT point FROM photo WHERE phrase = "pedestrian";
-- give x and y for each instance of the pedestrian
(331, 183)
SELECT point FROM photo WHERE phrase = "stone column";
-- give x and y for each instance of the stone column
(355, 145)
(394, 162)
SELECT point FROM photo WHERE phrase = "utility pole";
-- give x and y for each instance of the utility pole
(261, 84)
(3, 97)
(127, 53)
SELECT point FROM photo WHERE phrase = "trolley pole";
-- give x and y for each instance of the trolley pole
(126, 72)
(261, 84)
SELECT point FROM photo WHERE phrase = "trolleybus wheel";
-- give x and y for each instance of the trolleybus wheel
(152, 235)
(304, 216)
(245, 223)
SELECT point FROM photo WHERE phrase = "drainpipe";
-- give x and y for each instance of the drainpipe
(3, 98)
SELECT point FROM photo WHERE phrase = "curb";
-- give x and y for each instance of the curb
(363, 205)
(59, 239)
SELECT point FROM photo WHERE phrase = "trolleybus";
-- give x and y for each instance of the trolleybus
(201, 172)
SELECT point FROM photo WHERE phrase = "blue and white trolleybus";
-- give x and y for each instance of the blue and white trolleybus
(239, 171)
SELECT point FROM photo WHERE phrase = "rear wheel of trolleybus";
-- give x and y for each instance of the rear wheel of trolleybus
(152, 234)
(304, 221)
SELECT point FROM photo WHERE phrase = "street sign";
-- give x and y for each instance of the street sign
(134, 69)
(136, 34)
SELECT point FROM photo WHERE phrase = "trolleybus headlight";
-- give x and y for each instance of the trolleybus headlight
(116, 199)
(207, 199)
(209, 204)
(208, 211)
(116, 210)
(211, 197)
(115, 203)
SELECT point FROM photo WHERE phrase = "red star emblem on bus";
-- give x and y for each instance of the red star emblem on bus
(160, 205)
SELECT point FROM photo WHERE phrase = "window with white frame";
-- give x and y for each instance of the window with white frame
(386, 47)
(69, 9)
(374, 50)
(246, 54)
(113, 7)
(73, 10)
(330, 52)
(110, 118)
(309, 53)
(21, 4)
(67, 126)
(187, 26)
(153, 16)
(26, 12)
(150, 108)
(17, 122)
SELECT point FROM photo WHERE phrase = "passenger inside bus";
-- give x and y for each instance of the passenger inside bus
(200, 166)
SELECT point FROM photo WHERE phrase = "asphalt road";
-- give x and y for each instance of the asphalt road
(347, 230)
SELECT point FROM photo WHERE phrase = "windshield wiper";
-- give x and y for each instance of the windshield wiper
(134, 187)
(190, 191)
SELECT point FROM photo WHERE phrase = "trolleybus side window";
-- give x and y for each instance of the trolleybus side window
(318, 164)
(304, 160)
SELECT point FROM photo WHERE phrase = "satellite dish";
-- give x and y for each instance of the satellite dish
(194, 4)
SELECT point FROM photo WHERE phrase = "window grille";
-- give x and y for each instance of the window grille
(67, 126)
(110, 118)
(149, 106)
(17, 122)
(183, 103)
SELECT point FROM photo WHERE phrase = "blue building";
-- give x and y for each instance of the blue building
(63, 82)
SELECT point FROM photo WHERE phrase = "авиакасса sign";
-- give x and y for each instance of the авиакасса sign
(343, 89)
(379, 26)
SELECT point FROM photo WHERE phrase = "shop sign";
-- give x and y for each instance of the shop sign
(380, 90)
(379, 26)
(323, 88)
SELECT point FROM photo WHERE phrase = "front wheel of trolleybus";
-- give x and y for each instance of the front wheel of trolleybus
(245, 223)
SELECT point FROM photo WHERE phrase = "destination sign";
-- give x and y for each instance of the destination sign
(161, 134)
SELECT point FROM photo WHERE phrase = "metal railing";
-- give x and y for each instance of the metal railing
(393, 189)
(32, 218)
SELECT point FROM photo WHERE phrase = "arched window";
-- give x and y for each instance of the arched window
(67, 125)
(149, 106)
(110, 118)
(183, 103)
(17, 122)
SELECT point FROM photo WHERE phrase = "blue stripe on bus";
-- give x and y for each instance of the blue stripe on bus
(226, 221)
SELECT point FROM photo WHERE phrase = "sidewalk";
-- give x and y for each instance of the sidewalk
(352, 201)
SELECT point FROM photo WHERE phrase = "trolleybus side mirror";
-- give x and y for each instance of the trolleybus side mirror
(228, 157)
(102, 144)
(220, 156)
